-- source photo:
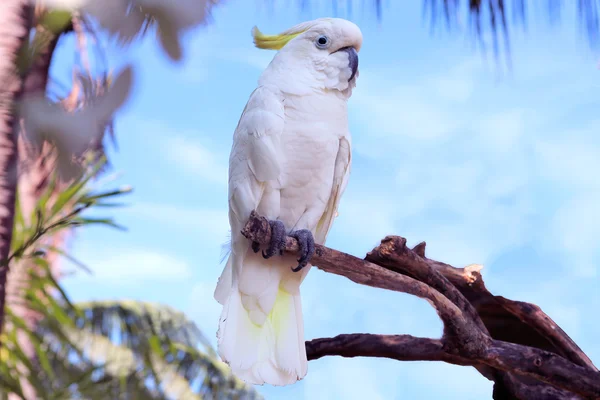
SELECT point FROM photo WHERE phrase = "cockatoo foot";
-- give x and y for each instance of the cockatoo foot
(307, 247)
(278, 236)
(255, 247)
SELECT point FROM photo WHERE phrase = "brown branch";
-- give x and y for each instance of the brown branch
(398, 347)
(409, 348)
(533, 316)
(458, 331)
(393, 252)
(508, 387)
(506, 318)
(549, 365)
(395, 255)
(545, 366)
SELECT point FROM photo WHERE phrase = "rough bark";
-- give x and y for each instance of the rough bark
(15, 19)
(515, 344)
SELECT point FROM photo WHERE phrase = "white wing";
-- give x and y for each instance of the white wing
(340, 180)
(254, 160)
(255, 157)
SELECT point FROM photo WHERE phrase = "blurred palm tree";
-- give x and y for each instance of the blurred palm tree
(51, 348)
(95, 350)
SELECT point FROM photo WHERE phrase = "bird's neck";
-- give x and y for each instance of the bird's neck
(300, 79)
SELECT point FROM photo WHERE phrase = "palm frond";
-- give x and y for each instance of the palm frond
(111, 349)
(492, 17)
(33, 293)
(127, 318)
(167, 342)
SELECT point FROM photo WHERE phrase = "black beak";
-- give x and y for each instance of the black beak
(352, 60)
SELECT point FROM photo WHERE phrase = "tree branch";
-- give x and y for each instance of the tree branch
(539, 361)
(409, 348)
(545, 366)
(394, 255)
(398, 347)
(504, 317)
(458, 331)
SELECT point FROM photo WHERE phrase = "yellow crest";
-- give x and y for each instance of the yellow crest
(276, 42)
(271, 42)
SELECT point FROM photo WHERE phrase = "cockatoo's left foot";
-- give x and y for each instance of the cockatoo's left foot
(307, 247)
(278, 236)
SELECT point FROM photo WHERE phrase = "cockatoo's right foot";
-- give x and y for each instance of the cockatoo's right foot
(278, 235)
(307, 247)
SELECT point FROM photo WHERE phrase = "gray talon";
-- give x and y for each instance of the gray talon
(278, 236)
(307, 247)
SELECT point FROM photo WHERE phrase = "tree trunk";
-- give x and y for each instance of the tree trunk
(33, 176)
(15, 17)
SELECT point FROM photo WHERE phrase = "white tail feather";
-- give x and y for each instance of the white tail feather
(272, 352)
(225, 283)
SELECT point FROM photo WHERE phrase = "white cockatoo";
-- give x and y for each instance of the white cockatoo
(290, 162)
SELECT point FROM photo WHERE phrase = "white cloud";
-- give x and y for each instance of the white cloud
(576, 227)
(570, 161)
(206, 162)
(456, 84)
(204, 309)
(194, 74)
(253, 57)
(432, 108)
(189, 150)
(566, 306)
(214, 220)
(343, 378)
(416, 119)
(453, 195)
(378, 378)
(467, 178)
(458, 206)
(133, 266)
(209, 226)
(204, 53)
(458, 381)
(502, 131)
(364, 217)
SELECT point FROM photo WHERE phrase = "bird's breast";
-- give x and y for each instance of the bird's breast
(310, 141)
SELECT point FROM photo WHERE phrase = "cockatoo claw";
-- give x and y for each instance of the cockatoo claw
(278, 236)
(255, 247)
(307, 247)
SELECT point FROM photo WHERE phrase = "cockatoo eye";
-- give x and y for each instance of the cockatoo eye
(322, 42)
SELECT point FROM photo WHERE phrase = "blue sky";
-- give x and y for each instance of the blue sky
(487, 167)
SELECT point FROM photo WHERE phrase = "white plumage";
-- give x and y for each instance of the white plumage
(290, 162)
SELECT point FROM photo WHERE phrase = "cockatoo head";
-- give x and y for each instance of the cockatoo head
(319, 54)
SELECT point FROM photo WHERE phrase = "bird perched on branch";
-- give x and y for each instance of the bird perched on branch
(290, 162)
